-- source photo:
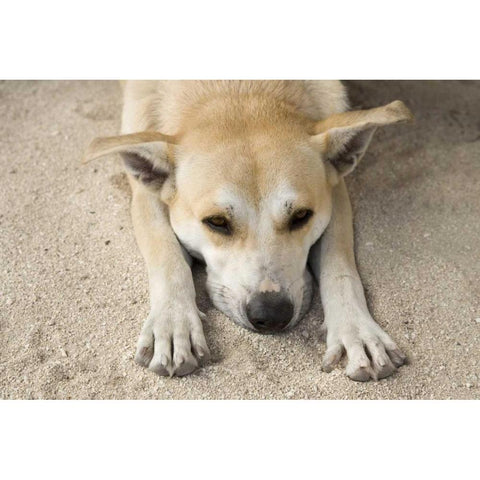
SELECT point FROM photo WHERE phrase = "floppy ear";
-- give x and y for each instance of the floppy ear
(145, 154)
(344, 138)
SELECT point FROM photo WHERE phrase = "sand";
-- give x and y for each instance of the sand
(74, 287)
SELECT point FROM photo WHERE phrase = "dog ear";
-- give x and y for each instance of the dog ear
(344, 138)
(145, 155)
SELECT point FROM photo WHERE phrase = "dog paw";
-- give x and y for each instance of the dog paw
(371, 353)
(172, 342)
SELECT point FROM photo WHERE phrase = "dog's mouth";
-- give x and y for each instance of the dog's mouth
(237, 310)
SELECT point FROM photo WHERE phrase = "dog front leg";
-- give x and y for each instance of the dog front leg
(371, 353)
(172, 341)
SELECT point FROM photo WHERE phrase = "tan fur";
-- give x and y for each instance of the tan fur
(392, 113)
(105, 146)
(250, 151)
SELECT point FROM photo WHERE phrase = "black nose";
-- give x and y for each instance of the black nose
(269, 312)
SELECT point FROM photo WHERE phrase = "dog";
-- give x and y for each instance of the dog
(248, 177)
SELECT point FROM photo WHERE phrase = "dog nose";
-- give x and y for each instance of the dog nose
(269, 311)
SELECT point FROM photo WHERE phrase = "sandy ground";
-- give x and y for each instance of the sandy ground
(74, 288)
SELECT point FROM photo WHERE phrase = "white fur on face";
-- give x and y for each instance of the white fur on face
(259, 256)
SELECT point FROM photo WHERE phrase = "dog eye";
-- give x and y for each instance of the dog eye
(300, 218)
(218, 224)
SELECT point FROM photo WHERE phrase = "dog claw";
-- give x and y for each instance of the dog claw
(179, 360)
(164, 360)
(381, 362)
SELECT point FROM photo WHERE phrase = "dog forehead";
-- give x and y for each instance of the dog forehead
(282, 195)
(240, 174)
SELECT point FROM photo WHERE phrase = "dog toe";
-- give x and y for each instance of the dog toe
(397, 357)
(144, 352)
(186, 367)
(332, 357)
(380, 360)
(361, 373)
(199, 345)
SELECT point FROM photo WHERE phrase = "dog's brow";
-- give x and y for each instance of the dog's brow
(234, 204)
(227, 208)
(288, 206)
(283, 201)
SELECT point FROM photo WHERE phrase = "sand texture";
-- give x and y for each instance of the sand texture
(74, 287)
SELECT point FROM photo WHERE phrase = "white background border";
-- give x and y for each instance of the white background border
(239, 439)
(249, 39)
(369, 39)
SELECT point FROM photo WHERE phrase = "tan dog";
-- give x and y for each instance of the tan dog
(247, 175)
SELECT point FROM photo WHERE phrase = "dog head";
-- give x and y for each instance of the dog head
(249, 192)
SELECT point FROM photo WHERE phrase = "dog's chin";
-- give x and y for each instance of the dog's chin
(237, 313)
(306, 301)
(307, 294)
